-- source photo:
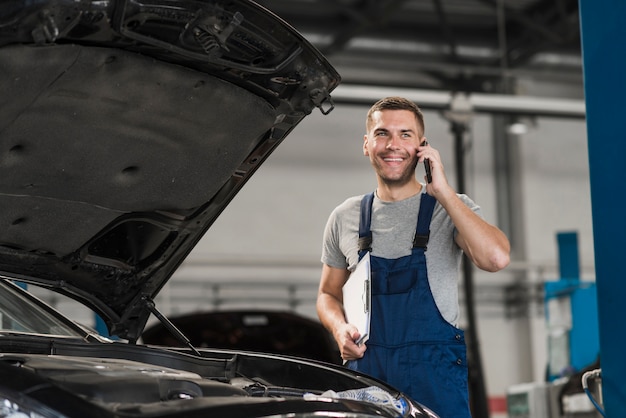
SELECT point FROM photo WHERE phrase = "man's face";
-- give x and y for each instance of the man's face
(391, 144)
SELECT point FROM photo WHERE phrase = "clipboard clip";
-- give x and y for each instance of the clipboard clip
(366, 296)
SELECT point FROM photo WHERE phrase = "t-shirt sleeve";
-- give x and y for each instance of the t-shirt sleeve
(470, 204)
(331, 250)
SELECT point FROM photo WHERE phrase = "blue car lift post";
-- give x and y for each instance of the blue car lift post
(573, 335)
(603, 33)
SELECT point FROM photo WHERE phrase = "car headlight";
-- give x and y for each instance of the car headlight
(14, 405)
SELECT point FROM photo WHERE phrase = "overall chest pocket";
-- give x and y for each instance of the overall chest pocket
(385, 282)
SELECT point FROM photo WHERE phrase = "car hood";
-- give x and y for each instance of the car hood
(126, 127)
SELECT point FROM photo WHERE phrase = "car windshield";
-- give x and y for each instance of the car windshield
(20, 314)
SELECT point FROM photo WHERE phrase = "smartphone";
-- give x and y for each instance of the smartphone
(429, 177)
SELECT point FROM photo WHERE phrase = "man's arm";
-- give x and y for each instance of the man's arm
(486, 245)
(331, 314)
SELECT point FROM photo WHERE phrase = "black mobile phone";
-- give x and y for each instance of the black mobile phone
(429, 177)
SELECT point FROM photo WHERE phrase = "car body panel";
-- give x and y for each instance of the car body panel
(67, 370)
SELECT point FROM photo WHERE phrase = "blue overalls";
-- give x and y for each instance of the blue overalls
(411, 346)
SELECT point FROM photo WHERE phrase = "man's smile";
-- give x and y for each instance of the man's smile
(393, 159)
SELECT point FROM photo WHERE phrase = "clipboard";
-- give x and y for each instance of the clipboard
(357, 298)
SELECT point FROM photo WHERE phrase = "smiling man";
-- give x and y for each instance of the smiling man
(416, 234)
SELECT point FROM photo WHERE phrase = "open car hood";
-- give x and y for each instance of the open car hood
(126, 127)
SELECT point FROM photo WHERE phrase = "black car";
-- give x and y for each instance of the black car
(126, 128)
(276, 332)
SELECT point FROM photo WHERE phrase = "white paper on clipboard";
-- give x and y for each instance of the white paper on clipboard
(357, 298)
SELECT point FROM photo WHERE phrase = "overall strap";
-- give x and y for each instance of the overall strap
(422, 231)
(365, 223)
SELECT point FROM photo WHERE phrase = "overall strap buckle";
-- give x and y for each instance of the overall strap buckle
(422, 230)
(421, 241)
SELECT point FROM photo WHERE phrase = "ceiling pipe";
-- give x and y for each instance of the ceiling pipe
(479, 102)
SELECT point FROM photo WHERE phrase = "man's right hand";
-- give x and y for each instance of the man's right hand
(346, 335)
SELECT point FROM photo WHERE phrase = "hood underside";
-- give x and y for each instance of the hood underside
(123, 136)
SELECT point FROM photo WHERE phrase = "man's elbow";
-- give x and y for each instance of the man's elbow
(497, 260)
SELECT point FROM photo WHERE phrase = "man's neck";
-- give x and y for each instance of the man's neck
(391, 193)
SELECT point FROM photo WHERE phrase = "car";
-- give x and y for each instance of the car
(126, 128)
(267, 331)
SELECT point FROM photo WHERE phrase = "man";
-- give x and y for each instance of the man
(414, 343)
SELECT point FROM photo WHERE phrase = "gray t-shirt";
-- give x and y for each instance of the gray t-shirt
(393, 230)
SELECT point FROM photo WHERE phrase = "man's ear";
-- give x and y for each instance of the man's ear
(365, 142)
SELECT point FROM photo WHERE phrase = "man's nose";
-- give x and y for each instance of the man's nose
(393, 141)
